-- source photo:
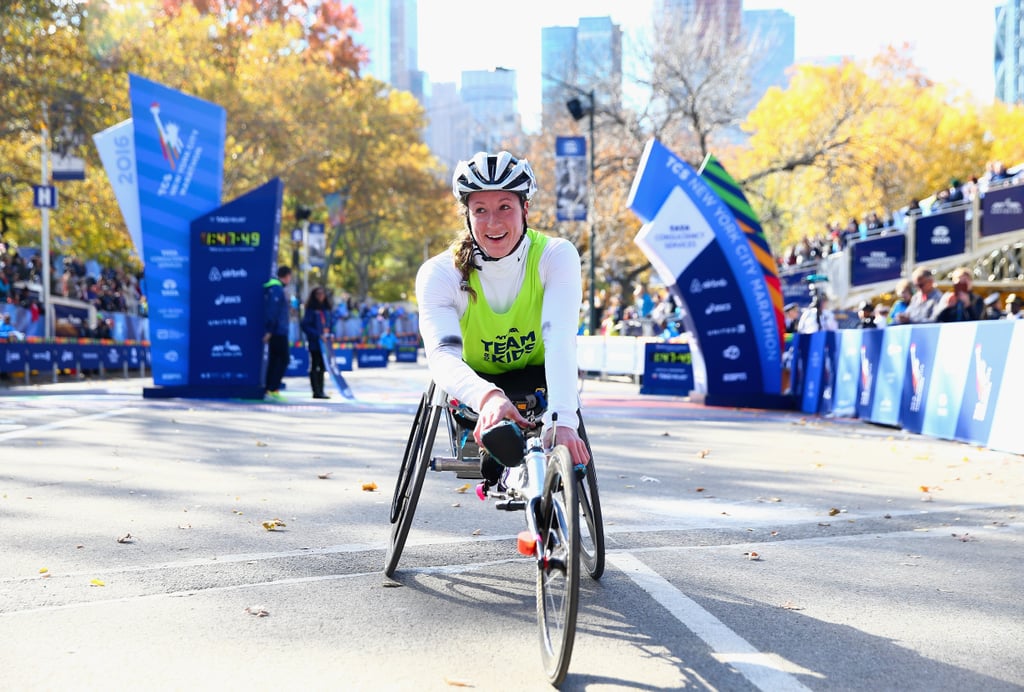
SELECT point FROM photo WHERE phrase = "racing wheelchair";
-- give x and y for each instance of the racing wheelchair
(542, 483)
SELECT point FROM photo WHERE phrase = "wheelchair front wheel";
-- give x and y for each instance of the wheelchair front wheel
(410, 477)
(558, 576)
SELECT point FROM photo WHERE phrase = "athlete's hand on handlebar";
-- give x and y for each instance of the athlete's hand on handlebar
(496, 407)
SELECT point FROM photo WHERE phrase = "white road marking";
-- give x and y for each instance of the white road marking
(63, 423)
(764, 671)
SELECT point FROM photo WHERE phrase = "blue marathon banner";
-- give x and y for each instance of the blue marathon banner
(945, 383)
(694, 242)
(571, 176)
(892, 368)
(668, 369)
(1005, 432)
(870, 350)
(877, 260)
(952, 381)
(1002, 210)
(847, 373)
(179, 154)
(940, 235)
(233, 252)
(921, 358)
(985, 366)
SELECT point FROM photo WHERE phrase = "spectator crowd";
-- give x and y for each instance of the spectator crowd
(836, 235)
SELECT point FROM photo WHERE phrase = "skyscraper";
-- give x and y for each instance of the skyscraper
(724, 15)
(390, 29)
(1009, 52)
(772, 34)
(580, 59)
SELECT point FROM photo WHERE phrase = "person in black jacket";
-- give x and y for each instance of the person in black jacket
(961, 304)
(316, 326)
(275, 330)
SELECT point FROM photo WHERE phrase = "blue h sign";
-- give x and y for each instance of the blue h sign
(44, 196)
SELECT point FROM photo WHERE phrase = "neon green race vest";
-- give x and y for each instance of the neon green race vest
(493, 343)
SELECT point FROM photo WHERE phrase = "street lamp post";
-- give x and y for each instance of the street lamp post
(577, 110)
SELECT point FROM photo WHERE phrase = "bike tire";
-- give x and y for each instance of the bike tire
(592, 547)
(592, 543)
(415, 461)
(558, 574)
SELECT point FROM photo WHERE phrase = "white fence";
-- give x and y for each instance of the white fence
(612, 355)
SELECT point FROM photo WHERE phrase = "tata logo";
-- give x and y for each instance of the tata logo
(172, 356)
(169, 287)
(940, 236)
(732, 352)
(227, 300)
(113, 356)
(894, 350)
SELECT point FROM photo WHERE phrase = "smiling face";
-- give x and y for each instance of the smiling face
(497, 219)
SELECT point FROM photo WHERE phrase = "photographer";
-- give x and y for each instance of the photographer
(961, 304)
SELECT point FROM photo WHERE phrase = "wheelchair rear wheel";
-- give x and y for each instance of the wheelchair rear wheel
(592, 527)
(558, 576)
(418, 449)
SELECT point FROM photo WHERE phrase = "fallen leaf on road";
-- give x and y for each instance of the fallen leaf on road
(477, 532)
(834, 511)
(456, 504)
(698, 489)
(96, 582)
(965, 537)
(127, 538)
(789, 605)
(752, 555)
(184, 526)
(649, 479)
(452, 682)
(324, 476)
(258, 611)
(462, 488)
(369, 487)
(261, 443)
(43, 570)
(273, 524)
(703, 453)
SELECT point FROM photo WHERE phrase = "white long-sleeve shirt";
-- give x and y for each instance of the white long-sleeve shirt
(442, 302)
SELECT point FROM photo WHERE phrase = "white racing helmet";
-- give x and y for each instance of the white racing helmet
(501, 171)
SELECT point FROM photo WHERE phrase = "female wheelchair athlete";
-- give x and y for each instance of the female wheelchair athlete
(544, 484)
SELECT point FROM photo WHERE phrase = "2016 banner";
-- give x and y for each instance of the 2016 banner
(179, 156)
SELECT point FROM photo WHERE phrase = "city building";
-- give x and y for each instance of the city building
(577, 60)
(772, 36)
(725, 15)
(389, 32)
(1009, 52)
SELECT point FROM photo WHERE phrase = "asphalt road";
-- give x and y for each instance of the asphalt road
(747, 550)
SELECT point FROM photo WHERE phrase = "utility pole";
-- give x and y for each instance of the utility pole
(45, 240)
